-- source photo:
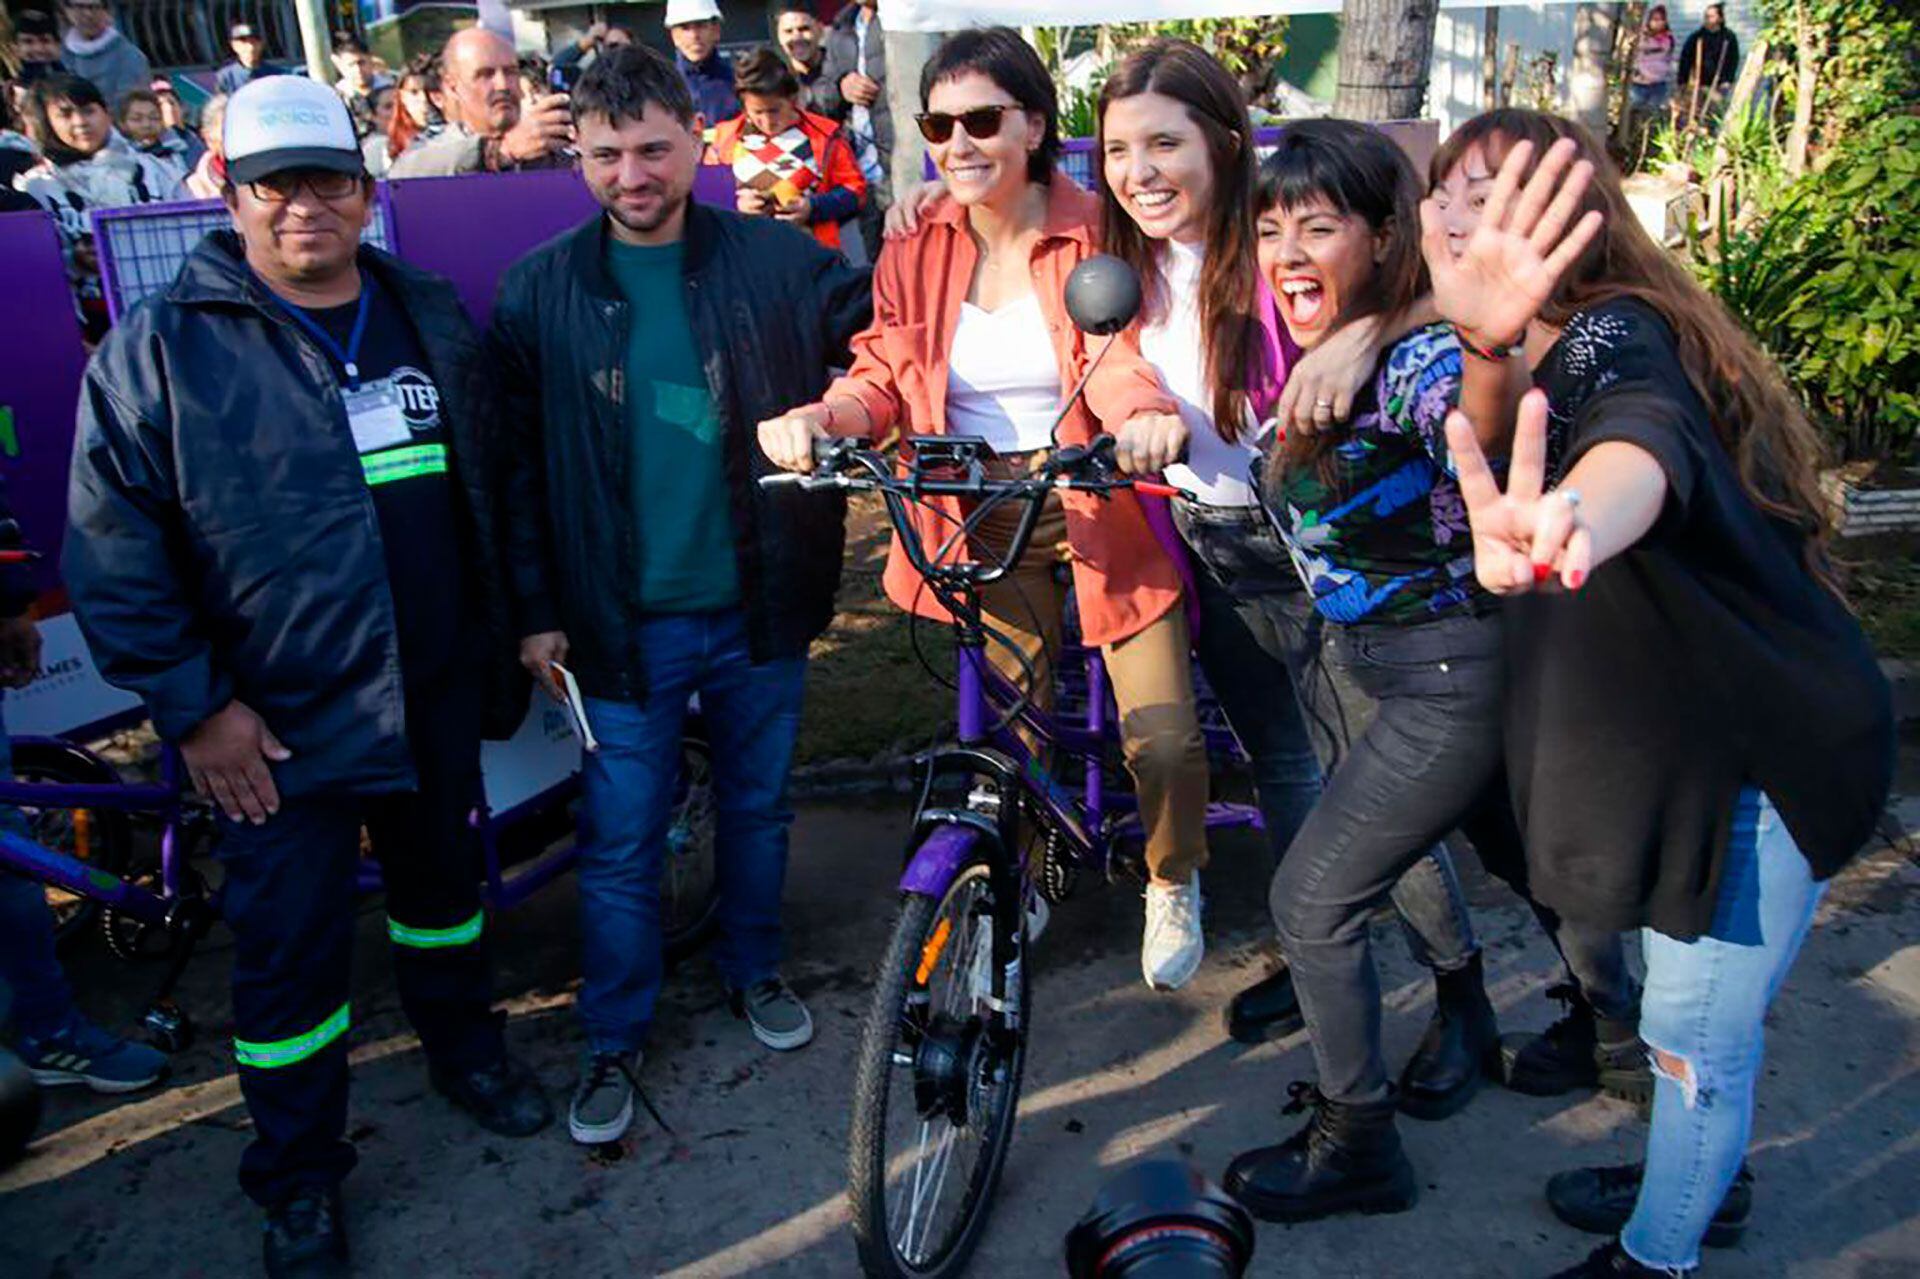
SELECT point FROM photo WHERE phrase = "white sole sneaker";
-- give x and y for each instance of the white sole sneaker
(785, 1041)
(1173, 966)
(67, 1078)
(599, 1134)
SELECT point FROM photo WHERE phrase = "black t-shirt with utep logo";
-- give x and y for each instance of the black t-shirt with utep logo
(401, 437)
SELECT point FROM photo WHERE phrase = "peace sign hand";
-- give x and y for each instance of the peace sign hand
(1509, 265)
(1522, 539)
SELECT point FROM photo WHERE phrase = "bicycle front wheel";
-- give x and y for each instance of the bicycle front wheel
(937, 1083)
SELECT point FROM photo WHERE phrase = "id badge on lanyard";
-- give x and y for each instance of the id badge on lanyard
(373, 411)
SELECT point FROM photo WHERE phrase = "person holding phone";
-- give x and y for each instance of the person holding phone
(488, 131)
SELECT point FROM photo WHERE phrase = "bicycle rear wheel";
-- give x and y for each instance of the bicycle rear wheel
(937, 1084)
(100, 837)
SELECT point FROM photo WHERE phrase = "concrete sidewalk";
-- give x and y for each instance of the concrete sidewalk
(752, 1183)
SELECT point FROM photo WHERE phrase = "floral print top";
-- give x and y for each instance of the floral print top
(1377, 527)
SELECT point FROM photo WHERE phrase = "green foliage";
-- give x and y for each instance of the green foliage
(1829, 282)
(1866, 58)
(1248, 47)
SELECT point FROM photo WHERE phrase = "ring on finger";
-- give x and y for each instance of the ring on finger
(1572, 496)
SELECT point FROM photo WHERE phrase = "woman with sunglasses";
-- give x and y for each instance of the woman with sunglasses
(1698, 734)
(971, 337)
(1372, 517)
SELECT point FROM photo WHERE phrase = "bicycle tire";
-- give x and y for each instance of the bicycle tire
(691, 833)
(874, 1072)
(108, 835)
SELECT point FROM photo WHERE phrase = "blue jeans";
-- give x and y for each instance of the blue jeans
(752, 712)
(1705, 1005)
(42, 1000)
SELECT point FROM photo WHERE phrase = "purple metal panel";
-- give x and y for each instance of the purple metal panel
(938, 859)
(472, 228)
(39, 383)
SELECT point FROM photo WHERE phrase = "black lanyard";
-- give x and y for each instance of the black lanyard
(351, 354)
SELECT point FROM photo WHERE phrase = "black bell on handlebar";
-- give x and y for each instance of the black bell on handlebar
(1103, 295)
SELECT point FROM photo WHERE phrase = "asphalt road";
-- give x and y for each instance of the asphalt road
(752, 1181)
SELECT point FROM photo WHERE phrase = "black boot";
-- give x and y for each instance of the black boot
(1346, 1159)
(1581, 1050)
(1599, 1201)
(1461, 1046)
(1268, 1009)
(306, 1237)
(503, 1098)
(1610, 1262)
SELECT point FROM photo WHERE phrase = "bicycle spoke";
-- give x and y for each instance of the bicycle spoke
(942, 1160)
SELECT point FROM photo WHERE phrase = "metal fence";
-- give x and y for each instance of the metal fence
(193, 33)
(142, 246)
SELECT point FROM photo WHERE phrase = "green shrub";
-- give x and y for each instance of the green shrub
(1828, 280)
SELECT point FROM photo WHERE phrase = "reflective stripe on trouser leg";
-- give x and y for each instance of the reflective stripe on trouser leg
(285, 1052)
(436, 938)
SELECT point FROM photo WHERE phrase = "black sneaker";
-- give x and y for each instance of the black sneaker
(1268, 1009)
(1579, 1051)
(306, 1237)
(1599, 1201)
(1610, 1262)
(503, 1098)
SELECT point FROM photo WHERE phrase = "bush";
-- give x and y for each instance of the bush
(1829, 281)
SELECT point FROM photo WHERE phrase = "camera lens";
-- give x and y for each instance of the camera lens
(1161, 1219)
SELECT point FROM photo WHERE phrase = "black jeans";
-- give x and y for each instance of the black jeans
(1260, 649)
(1413, 774)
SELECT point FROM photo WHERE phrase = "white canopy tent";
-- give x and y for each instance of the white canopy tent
(952, 15)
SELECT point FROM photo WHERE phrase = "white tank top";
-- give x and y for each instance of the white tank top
(1003, 383)
(1216, 472)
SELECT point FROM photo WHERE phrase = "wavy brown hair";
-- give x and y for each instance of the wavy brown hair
(1229, 278)
(1765, 430)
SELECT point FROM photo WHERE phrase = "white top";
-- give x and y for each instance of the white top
(1215, 472)
(1003, 384)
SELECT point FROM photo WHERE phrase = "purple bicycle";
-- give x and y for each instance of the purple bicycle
(81, 812)
(942, 1050)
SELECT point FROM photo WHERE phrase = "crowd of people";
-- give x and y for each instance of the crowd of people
(1688, 83)
(1496, 537)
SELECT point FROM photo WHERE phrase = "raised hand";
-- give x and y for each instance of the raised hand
(1523, 538)
(1509, 265)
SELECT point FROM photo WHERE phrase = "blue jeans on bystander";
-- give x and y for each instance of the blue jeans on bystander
(752, 713)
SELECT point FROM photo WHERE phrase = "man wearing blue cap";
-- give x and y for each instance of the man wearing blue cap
(279, 539)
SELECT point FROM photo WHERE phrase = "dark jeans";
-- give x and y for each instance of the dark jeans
(42, 1002)
(1412, 775)
(289, 901)
(1260, 648)
(752, 713)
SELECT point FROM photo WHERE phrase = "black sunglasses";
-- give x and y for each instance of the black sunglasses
(980, 123)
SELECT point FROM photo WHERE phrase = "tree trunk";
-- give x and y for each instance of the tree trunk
(1626, 51)
(1593, 28)
(1490, 58)
(1386, 57)
(907, 52)
(1807, 51)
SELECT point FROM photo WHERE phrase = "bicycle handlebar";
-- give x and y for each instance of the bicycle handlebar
(954, 466)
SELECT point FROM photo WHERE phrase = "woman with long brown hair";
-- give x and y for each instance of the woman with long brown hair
(1176, 174)
(1698, 735)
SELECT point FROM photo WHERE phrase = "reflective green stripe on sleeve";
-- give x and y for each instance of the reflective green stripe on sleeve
(434, 938)
(404, 463)
(285, 1052)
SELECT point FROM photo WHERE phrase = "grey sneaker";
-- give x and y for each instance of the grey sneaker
(602, 1108)
(779, 1019)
